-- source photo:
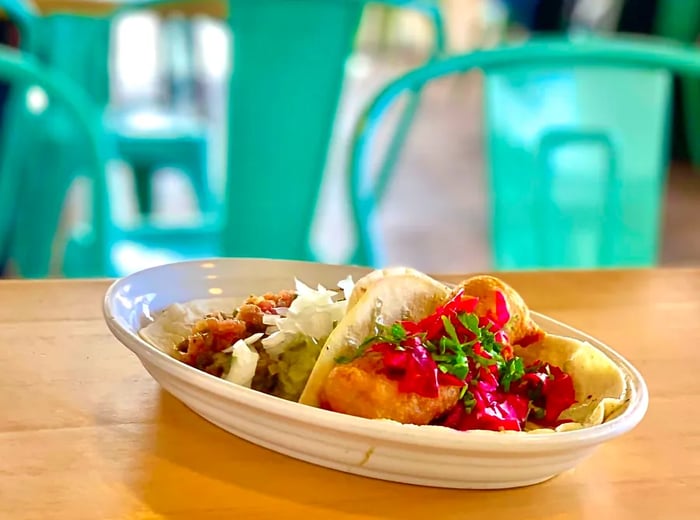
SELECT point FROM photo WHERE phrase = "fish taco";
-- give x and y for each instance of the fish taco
(471, 357)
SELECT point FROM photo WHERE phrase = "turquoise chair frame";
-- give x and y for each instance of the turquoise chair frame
(431, 10)
(66, 43)
(627, 55)
(79, 43)
(21, 70)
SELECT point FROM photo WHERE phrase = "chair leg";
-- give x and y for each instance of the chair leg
(199, 176)
(396, 145)
(33, 243)
(144, 188)
(11, 176)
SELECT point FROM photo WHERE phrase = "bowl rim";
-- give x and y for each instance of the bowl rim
(435, 437)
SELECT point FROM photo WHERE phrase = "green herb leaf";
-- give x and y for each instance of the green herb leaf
(470, 322)
(513, 370)
(450, 329)
(398, 332)
(469, 401)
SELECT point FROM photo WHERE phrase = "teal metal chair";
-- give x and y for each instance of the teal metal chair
(433, 13)
(576, 141)
(18, 205)
(79, 46)
(229, 233)
(290, 177)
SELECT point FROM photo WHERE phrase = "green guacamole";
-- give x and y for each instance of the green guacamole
(295, 365)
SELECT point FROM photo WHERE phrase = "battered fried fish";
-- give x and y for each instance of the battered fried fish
(361, 388)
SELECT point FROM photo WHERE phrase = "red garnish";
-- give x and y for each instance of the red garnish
(551, 390)
(455, 347)
(500, 315)
(531, 339)
(433, 326)
(413, 369)
(492, 408)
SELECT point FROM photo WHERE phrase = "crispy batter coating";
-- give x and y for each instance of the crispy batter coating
(521, 329)
(359, 388)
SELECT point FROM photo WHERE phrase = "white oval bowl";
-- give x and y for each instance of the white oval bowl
(428, 456)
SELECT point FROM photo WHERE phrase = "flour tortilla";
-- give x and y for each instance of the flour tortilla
(173, 324)
(403, 295)
(369, 280)
(600, 386)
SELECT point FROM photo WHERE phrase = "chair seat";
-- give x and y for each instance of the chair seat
(155, 124)
(129, 256)
(146, 246)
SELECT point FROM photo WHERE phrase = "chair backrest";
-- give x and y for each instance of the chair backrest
(23, 71)
(576, 142)
(75, 45)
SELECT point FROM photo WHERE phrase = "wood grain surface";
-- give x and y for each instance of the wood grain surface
(86, 433)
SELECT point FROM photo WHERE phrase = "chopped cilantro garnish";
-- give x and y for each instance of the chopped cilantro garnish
(470, 322)
(468, 400)
(398, 333)
(393, 334)
(511, 371)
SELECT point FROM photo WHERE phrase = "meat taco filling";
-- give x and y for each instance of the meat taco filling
(455, 368)
(210, 346)
(269, 343)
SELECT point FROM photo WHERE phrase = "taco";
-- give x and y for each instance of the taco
(268, 343)
(599, 385)
(384, 297)
(414, 351)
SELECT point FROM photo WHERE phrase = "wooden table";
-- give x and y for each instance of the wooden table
(213, 8)
(86, 433)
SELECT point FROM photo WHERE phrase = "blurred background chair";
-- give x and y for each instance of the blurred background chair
(17, 203)
(677, 20)
(268, 142)
(573, 182)
(301, 139)
(79, 45)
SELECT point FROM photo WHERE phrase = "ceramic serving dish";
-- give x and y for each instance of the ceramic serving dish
(429, 456)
